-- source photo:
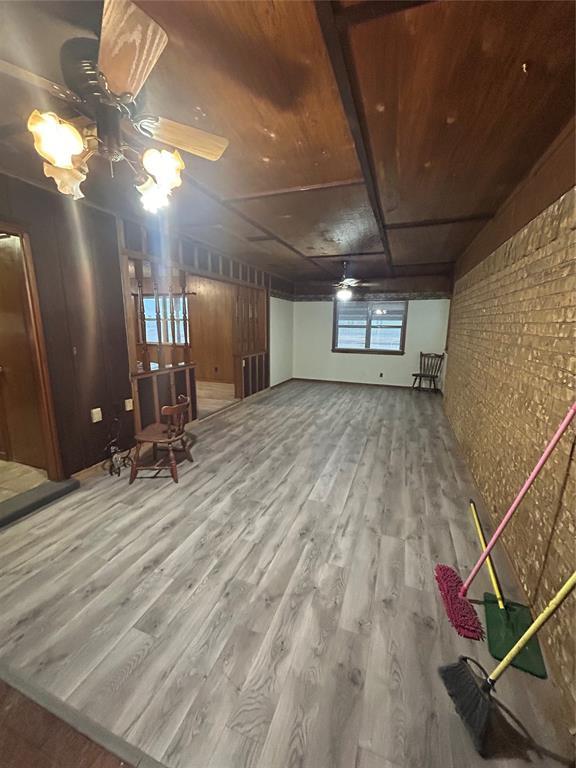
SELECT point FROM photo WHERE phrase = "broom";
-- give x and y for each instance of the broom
(459, 609)
(471, 694)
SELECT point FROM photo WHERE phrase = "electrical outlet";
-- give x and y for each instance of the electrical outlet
(96, 415)
(128, 404)
(381, 375)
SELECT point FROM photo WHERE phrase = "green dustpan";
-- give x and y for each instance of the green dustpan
(504, 627)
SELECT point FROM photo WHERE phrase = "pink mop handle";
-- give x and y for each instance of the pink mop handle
(523, 491)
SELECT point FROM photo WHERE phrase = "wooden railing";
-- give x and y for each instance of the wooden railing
(153, 389)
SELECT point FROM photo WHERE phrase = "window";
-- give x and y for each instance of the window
(172, 328)
(377, 327)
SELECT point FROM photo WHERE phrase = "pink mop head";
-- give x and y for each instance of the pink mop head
(460, 611)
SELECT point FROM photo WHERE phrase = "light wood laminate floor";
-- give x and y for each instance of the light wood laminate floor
(213, 396)
(277, 608)
(16, 478)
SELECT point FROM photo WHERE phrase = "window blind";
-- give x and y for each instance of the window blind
(374, 326)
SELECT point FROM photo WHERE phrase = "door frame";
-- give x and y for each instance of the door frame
(54, 466)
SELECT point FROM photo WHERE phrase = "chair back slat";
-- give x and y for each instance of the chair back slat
(176, 415)
(431, 363)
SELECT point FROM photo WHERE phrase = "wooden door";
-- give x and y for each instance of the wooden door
(20, 409)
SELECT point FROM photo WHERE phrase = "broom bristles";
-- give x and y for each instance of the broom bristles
(472, 703)
(460, 611)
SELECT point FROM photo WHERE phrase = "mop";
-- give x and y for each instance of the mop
(472, 696)
(507, 620)
(459, 609)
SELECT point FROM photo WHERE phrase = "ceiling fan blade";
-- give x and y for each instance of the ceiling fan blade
(36, 81)
(130, 45)
(190, 139)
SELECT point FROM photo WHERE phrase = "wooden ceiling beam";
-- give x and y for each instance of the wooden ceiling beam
(373, 9)
(227, 205)
(440, 222)
(338, 59)
(290, 190)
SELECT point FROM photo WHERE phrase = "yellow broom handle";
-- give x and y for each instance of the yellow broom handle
(489, 565)
(558, 598)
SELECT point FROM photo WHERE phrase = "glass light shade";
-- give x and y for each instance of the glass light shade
(153, 197)
(344, 294)
(164, 166)
(54, 139)
(67, 180)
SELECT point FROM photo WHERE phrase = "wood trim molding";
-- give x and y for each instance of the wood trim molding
(440, 222)
(373, 9)
(354, 383)
(344, 81)
(230, 207)
(290, 190)
(54, 466)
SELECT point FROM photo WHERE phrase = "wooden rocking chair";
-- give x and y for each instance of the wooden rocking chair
(169, 436)
(430, 367)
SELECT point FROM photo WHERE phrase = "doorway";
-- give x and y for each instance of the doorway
(28, 446)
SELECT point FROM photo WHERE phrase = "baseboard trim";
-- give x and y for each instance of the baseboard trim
(281, 383)
(356, 383)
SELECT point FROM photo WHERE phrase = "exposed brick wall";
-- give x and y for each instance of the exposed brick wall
(511, 376)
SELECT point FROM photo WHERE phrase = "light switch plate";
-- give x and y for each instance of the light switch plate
(128, 404)
(96, 415)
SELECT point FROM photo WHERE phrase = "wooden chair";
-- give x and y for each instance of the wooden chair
(169, 436)
(430, 367)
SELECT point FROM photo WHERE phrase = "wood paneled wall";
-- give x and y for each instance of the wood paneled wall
(212, 329)
(75, 254)
(226, 322)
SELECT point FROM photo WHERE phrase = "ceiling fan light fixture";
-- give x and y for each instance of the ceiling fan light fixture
(164, 166)
(152, 196)
(67, 180)
(344, 294)
(54, 139)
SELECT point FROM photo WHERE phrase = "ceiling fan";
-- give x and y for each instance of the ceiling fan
(344, 287)
(103, 80)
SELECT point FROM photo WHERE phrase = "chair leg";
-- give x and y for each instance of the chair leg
(173, 465)
(187, 449)
(134, 467)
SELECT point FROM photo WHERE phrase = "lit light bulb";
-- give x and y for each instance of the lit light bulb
(164, 166)
(381, 311)
(344, 294)
(153, 196)
(55, 140)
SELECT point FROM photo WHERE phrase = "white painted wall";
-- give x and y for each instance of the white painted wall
(314, 359)
(281, 340)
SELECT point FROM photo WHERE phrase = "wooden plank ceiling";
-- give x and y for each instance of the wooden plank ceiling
(385, 133)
